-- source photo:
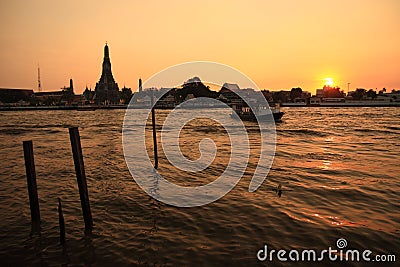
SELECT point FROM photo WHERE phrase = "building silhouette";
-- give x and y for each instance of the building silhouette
(106, 90)
(140, 85)
(12, 95)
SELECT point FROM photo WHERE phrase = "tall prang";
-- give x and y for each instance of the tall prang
(106, 90)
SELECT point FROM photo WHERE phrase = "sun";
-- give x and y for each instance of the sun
(329, 81)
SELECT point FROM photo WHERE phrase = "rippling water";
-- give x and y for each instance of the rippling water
(339, 168)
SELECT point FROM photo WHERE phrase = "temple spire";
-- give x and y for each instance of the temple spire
(106, 53)
(106, 89)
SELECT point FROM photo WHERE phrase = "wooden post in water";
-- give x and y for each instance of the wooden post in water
(153, 122)
(61, 222)
(81, 177)
(32, 186)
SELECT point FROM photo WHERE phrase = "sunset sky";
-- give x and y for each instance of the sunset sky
(278, 44)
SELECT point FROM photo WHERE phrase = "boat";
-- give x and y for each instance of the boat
(262, 112)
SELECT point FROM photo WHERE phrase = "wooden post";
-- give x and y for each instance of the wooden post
(81, 177)
(153, 121)
(32, 186)
(61, 222)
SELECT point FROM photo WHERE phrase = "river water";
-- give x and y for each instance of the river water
(338, 167)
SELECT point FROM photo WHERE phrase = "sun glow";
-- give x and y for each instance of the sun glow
(329, 81)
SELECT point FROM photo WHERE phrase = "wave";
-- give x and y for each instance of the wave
(302, 132)
(375, 131)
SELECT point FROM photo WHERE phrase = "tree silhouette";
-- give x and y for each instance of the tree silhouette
(125, 95)
(295, 93)
(197, 88)
(358, 94)
(371, 93)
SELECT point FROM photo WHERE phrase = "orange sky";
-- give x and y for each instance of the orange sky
(278, 44)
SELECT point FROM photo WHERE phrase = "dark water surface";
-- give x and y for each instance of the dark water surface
(339, 168)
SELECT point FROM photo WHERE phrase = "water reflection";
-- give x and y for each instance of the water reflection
(325, 164)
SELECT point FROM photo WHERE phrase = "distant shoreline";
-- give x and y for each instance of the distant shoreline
(27, 108)
(285, 105)
(342, 105)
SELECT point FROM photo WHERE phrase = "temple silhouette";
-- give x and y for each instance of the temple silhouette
(106, 90)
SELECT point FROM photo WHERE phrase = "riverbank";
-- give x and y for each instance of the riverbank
(344, 104)
(92, 107)
(62, 107)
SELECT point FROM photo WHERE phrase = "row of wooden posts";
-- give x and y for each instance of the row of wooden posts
(80, 177)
